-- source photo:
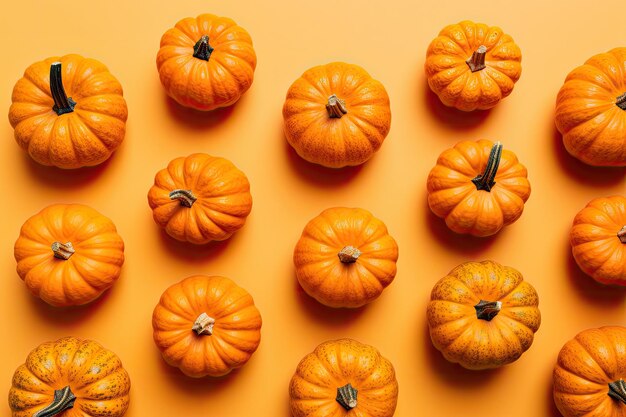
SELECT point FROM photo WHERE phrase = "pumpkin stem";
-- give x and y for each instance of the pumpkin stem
(617, 390)
(621, 235)
(346, 396)
(621, 102)
(487, 310)
(186, 197)
(62, 104)
(202, 49)
(63, 400)
(203, 325)
(63, 250)
(349, 254)
(477, 61)
(336, 107)
(486, 180)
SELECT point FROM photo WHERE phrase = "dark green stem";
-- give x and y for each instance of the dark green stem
(621, 102)
(62, 104)
(346, 396)
(487, 310)
(617, 390)
(63, 400)
(487, 179)
(477, 61)
(186, 197)
(202, 49)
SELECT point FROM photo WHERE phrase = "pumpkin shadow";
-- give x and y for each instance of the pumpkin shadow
(193, 253)
(451, 117)
(65, 178)
(551, 410)
(581, 172)
(198, 119)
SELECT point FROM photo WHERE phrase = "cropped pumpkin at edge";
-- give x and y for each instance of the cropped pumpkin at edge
(200, 198)
(343, 378)
(68, 112)
(591, 110)
(483, 315)
(598, 239)
(70, 375)
(472, 66)
(69, 254)
(336, 115)
(478, 187)
(206, 62)
(345, 257)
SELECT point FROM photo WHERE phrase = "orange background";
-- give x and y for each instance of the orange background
(389, 39)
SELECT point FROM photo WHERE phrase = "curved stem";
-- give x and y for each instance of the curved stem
(621, 235)
(617, 390)
(336, 107)
(202, 50)
(63, 250)
(349, 254)
(477, 61)
(487, 179)
(487, 310)
(203, 325)
(186, 197)
(346, 396)
(63, 400)
(621, 101)
(62, 104)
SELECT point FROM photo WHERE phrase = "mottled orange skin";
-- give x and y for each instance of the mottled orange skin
(200, 84)
(595, 245)
(223, 204)
(91, 270)
(336, 142)
(451, 78)
(85, 137)
(94, 374)
(334, 364)
(236, 332)
(461, 336)
(334, 283)
(584, 368)
(453, 197)
(592, 125)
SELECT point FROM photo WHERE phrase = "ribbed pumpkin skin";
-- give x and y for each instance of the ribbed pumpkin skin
(200, 84)
(450, 77)
(334, 283)
(453, 197)
(584, 368)
(595, 245)
(334, 364)
(85, 137)
(461, 336)
(94, 374)
(336, 142)
(223, 193)
(592, 125)
(236, 332)
(91, 270)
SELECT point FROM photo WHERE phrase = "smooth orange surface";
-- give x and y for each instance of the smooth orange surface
(388, 39)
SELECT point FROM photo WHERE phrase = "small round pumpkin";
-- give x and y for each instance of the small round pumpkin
(472, 66)
(591, 110)
(589, 374)
(206, 326)
(69, 254)
(483, 315)
(200, 198)
(70, 377)
(598, 239)
(68, 112)
(345, 257)
(343, 378)
(206, 62)
(336, 115)
(478, 187)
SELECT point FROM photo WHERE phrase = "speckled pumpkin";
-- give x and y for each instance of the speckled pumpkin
(70, 378)
(483, 315)
(589, 374)
(343, 378)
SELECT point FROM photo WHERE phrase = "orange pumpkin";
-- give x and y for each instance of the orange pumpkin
(478, 187)
(206, 62)
(472, 66)
(200, 198)
(343, 378)
(68, 112)
(589, 374)
(345, 257)
(69, 254)
(591, 110)
(70, 377)
(336, 115)
(598, 239)
(206, 326)
(483, 315)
